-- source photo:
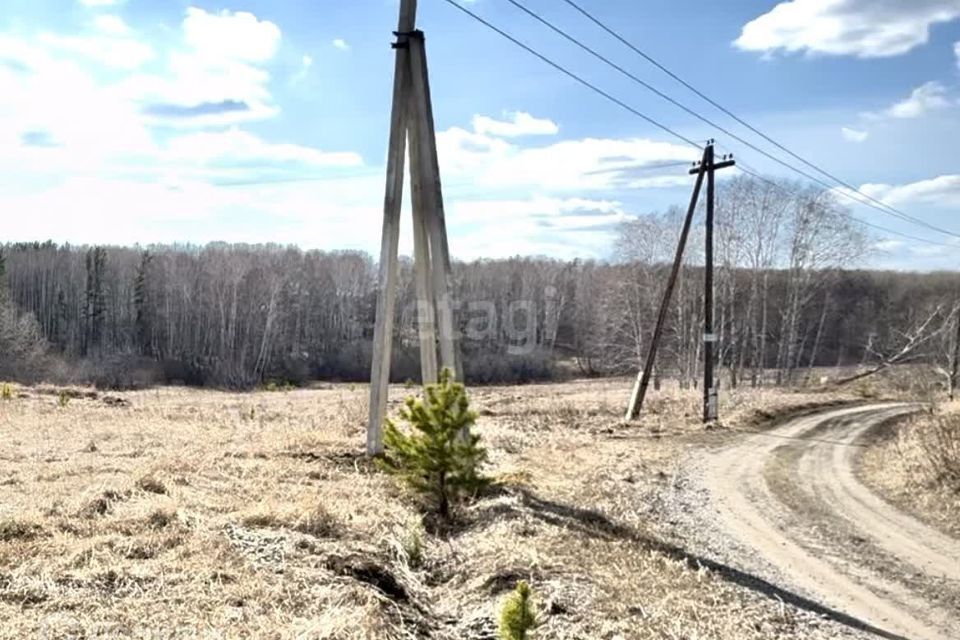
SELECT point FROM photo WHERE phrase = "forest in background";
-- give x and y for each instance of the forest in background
(789, 298)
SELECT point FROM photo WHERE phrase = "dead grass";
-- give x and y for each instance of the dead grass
(12, 529)
(152, 484)
(209, 514)
(916, 465)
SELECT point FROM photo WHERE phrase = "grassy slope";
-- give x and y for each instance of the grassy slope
(898, 467)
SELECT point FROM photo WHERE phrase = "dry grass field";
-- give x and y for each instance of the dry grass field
(176, 513)
(915, 464)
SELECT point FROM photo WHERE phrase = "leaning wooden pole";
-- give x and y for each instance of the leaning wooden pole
(387, 277)
(643, 379)
(955, 373)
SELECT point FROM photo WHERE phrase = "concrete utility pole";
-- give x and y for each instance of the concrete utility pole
(412, 118)
(706, 167)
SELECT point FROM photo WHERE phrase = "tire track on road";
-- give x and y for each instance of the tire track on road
(823, 447)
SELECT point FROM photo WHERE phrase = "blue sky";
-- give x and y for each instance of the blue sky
(161, 121)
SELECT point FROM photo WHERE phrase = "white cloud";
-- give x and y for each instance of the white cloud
(305, 64)
(942, 191)
(84, 161)
(230, 36)
(109, 50)
(568, 165)
(341, 44)
(61, 116)
(517, 123)
(59, 99)
(862, 28)
(111, 24)
(927, 97)
(956, 52)
(237, 148)
(854, 135)
(888, 245)
(536, 225)
(216, 76)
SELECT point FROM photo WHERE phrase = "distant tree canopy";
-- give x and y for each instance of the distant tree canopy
(236, 315)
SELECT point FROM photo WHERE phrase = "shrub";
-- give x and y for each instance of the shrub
(63, 398)
(6, 391)
(439, 459)
(281, 385)
(11, 529)
(24, 349)
(410, 541)
(161, 518)
(490, 368)
(151, 484)
(317, 522)
(518, 615)
(119, 372)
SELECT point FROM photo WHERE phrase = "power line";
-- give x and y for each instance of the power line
(867, 201)
(745, 168)
(567, 72)
(752, 171)
(571, 74)
(877, 204)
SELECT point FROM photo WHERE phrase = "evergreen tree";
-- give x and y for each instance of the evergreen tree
(61, 322)
(95, 310)
(142, 324)
(439, 458)
(518, 617)
(3, 277)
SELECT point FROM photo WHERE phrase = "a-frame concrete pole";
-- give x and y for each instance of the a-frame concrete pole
(433, 200)
(387, 277)
(426, 301)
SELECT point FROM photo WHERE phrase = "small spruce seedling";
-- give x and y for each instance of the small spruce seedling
(518, 615)
(436, 456)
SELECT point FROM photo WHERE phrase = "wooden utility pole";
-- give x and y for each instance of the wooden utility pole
(706, 167)
(412, 118)
(955, 372)
(710, 408)
(709, 337)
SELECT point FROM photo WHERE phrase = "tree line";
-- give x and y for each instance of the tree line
(789, 299)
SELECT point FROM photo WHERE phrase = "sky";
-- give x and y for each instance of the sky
(161, 121)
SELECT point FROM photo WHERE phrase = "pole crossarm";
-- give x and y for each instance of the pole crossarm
(716, 166)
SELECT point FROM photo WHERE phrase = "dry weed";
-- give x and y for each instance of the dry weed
(916, 464)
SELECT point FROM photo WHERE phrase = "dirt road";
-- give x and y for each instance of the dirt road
(790, 496)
